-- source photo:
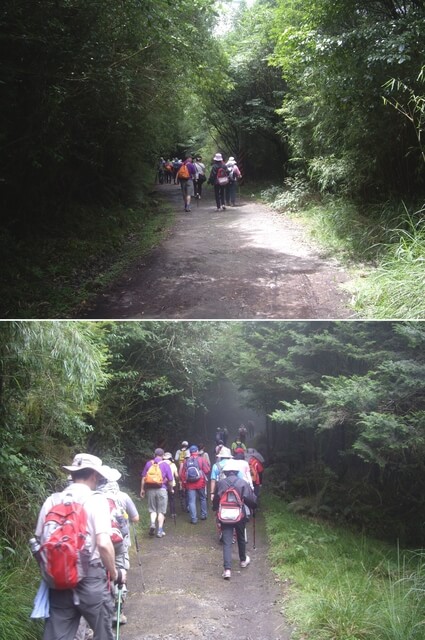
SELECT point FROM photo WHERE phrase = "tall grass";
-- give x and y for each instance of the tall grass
(395, 289)
(344, 586)
(384, 246)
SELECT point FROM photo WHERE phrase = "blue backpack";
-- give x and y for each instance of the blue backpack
(193, 472)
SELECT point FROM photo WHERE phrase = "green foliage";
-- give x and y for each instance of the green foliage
(17, 588)
(395, 288)
(90, 98)
(344, 586)
(337, 58)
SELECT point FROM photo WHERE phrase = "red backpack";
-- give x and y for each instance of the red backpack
(230, 507)
(64, 557)
(222, 176)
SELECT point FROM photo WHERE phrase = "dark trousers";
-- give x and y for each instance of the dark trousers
(227, 531)
(219, 195)
(91, 599)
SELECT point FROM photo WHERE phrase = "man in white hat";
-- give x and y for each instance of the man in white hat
(91, 597)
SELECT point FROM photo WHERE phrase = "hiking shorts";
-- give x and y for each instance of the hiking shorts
(187, 187)
(157, 500)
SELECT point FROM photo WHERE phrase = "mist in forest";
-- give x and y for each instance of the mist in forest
(226, 406)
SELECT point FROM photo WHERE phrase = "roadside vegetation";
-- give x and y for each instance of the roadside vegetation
(341, 584)
(384, 247)
(344, 446)
(323, 96)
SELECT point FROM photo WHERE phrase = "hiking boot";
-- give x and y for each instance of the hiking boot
(123, 619)
(226, 574)
(152, 530)
(245, 563)
(160, 533)
(223, 207)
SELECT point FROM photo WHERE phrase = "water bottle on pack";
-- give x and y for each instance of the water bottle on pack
(35, 549)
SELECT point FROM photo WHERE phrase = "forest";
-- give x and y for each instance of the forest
(343, 441)
(321, 103)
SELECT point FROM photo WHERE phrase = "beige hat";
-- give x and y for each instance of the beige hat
(218, 157)
(113, 474)
(87, 461)
(224, 453)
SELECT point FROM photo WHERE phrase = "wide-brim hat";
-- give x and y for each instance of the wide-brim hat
(231, 465)
(113, 474)
(184, 443)
(224, 453)
(88, 461)
(218, 157)
(167, 456)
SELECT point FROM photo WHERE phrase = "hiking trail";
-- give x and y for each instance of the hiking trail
(245, 262)
(186, 597)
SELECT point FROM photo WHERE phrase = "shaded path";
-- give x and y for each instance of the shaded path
(245, 262)
(186, 597)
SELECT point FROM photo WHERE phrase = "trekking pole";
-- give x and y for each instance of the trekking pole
(136, 542)
(253, 528)
(119, 610)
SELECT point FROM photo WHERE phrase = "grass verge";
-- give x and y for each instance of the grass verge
(383, 247)
(56, 275)
(343, 585)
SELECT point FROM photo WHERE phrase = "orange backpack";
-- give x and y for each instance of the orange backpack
(183, 172)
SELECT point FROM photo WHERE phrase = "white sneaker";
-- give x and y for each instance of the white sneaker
(245, 562)
(226, 574)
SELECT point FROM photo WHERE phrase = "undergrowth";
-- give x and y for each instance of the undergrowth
(343, 585)
(383, 245)
(56, 274)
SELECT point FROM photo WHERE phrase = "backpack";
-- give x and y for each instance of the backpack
(255, 468)
(230, 507)
(182, 456)
(154, 478)
(193, 472)
(222, 177)
(183, 173)
(63, 553)
(118, 520)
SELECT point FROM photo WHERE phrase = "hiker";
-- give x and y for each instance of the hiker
(242, 464)
(237, 444)
(194, 477)
(168, 171)
(230, 497)
(200, 177)
(127, 511)
(160, 170)
(91, 597)
(181, 454)
(256, 468)
(186, 175)
(171, 494)
(223, 455)
(234, 176)
(156, 477)
(204, 454)
(242, 433)
(176, 166)
(219, 177)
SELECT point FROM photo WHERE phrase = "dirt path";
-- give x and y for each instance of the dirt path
(186, 597)
(245, 262)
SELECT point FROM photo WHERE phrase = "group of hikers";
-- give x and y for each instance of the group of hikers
(190, 174)
(82, 536)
